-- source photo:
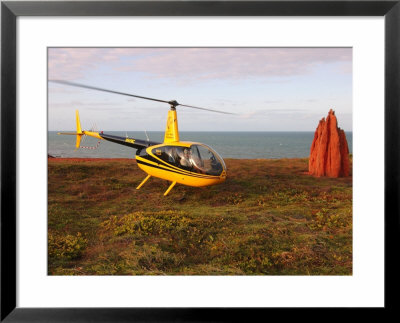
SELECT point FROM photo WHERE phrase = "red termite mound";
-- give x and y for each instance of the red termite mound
(329, 153)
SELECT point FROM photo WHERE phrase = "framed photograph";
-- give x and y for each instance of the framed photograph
(233, 210)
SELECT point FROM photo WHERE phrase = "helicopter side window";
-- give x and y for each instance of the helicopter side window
(166, 153)
(197, 161)
(184, 158)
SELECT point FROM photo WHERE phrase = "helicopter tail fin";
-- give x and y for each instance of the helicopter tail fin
(78, 132)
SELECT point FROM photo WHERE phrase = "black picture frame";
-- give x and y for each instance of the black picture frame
(11, 10)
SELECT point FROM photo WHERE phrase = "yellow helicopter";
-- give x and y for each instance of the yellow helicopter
(184, 162)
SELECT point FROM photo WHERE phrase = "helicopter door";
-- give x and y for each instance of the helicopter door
(206, 160)
(166, 153)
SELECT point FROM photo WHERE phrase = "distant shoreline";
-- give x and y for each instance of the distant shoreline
(208, 131)
(234, 145)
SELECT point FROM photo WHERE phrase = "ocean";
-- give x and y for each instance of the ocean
(240, 145)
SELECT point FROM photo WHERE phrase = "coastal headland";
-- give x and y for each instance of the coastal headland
(270, 217)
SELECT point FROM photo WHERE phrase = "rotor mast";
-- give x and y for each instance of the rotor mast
(171, 130)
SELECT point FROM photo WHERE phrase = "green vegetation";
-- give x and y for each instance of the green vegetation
(268, 218)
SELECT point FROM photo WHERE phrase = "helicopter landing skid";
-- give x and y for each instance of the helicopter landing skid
(144, 181)
(169, 188)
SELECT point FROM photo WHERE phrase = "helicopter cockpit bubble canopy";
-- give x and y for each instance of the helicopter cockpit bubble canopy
(193, 157)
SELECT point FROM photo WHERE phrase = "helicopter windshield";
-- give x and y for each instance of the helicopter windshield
(206, 160)
(197, 158)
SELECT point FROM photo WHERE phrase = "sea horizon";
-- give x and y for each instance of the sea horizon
(229, 144)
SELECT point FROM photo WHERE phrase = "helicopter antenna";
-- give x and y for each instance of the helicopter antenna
(172, 103)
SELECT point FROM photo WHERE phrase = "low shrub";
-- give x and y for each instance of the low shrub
(147, 223)
(66, 246)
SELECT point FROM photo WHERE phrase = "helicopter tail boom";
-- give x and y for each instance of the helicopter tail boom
(130, 142)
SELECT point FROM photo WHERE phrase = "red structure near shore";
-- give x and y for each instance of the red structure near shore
(329, 153)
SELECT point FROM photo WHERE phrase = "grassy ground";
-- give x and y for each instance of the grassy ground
(268, 218)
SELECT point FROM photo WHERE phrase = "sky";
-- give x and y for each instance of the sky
(267, 89)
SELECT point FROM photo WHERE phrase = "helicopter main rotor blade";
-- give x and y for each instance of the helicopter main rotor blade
(218, 111)
(104, 90)
(172, 102)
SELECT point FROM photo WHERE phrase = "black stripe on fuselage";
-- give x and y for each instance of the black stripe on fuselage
(169, 166)
(138, 144)
(170, 169)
